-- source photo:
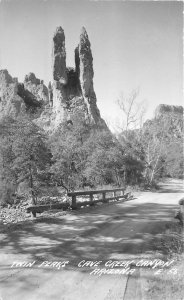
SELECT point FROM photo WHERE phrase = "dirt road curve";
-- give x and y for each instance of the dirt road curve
(117, 231)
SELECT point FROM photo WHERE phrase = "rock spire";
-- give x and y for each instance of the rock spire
(86, 74)
(59, 56)
(70, 91)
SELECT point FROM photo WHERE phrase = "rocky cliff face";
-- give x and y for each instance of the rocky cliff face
(164, 109)
(21, 98)
(70, 89)
(37, 88)
(11, 103)
(170, 119)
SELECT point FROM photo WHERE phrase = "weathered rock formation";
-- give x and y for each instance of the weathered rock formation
(70, 89)
(59, 56)
(74, 87)
(163, 109)
(86, 75)
(172, 118)
(21, 98)
(37, 88)
(11, 103)
(30, 100)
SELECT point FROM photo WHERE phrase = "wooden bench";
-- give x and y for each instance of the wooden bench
(34, 209)
(91, 194)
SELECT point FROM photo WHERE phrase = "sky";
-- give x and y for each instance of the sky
(135, 44)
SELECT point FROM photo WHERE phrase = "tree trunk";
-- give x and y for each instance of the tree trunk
(125, 176)
(31, 186)
(117, 177)
(152, 176)
(154, 169)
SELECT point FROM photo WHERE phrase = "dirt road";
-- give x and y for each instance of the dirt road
(119, 231)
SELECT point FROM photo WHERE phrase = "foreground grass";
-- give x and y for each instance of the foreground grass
(169, 284)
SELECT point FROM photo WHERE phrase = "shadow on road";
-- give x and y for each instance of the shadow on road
(90, 235)
(114, 231)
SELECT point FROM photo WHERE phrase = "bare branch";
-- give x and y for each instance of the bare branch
(132, 109)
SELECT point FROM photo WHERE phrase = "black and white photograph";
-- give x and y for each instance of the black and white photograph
(91, 150)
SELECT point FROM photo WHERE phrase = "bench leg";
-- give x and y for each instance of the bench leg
(74, 203)
(34, 214)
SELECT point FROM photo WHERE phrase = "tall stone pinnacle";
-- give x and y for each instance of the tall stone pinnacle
(85, 54)
(86, 75)
(70, 91)
(59, 56)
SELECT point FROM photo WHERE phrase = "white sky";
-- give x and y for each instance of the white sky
(134, 44)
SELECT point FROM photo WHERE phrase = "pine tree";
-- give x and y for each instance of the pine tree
(24, 154)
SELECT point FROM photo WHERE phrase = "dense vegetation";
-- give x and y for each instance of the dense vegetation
(80, 155)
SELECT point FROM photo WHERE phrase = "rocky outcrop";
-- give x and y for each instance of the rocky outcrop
(170, 119)
(37, 88)
(59, 77)
(18, 99)
(30, 100)
(86, 74)
(71, 89)
(73, 86)
(163, 109)
(59, 56)
(11, 103)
